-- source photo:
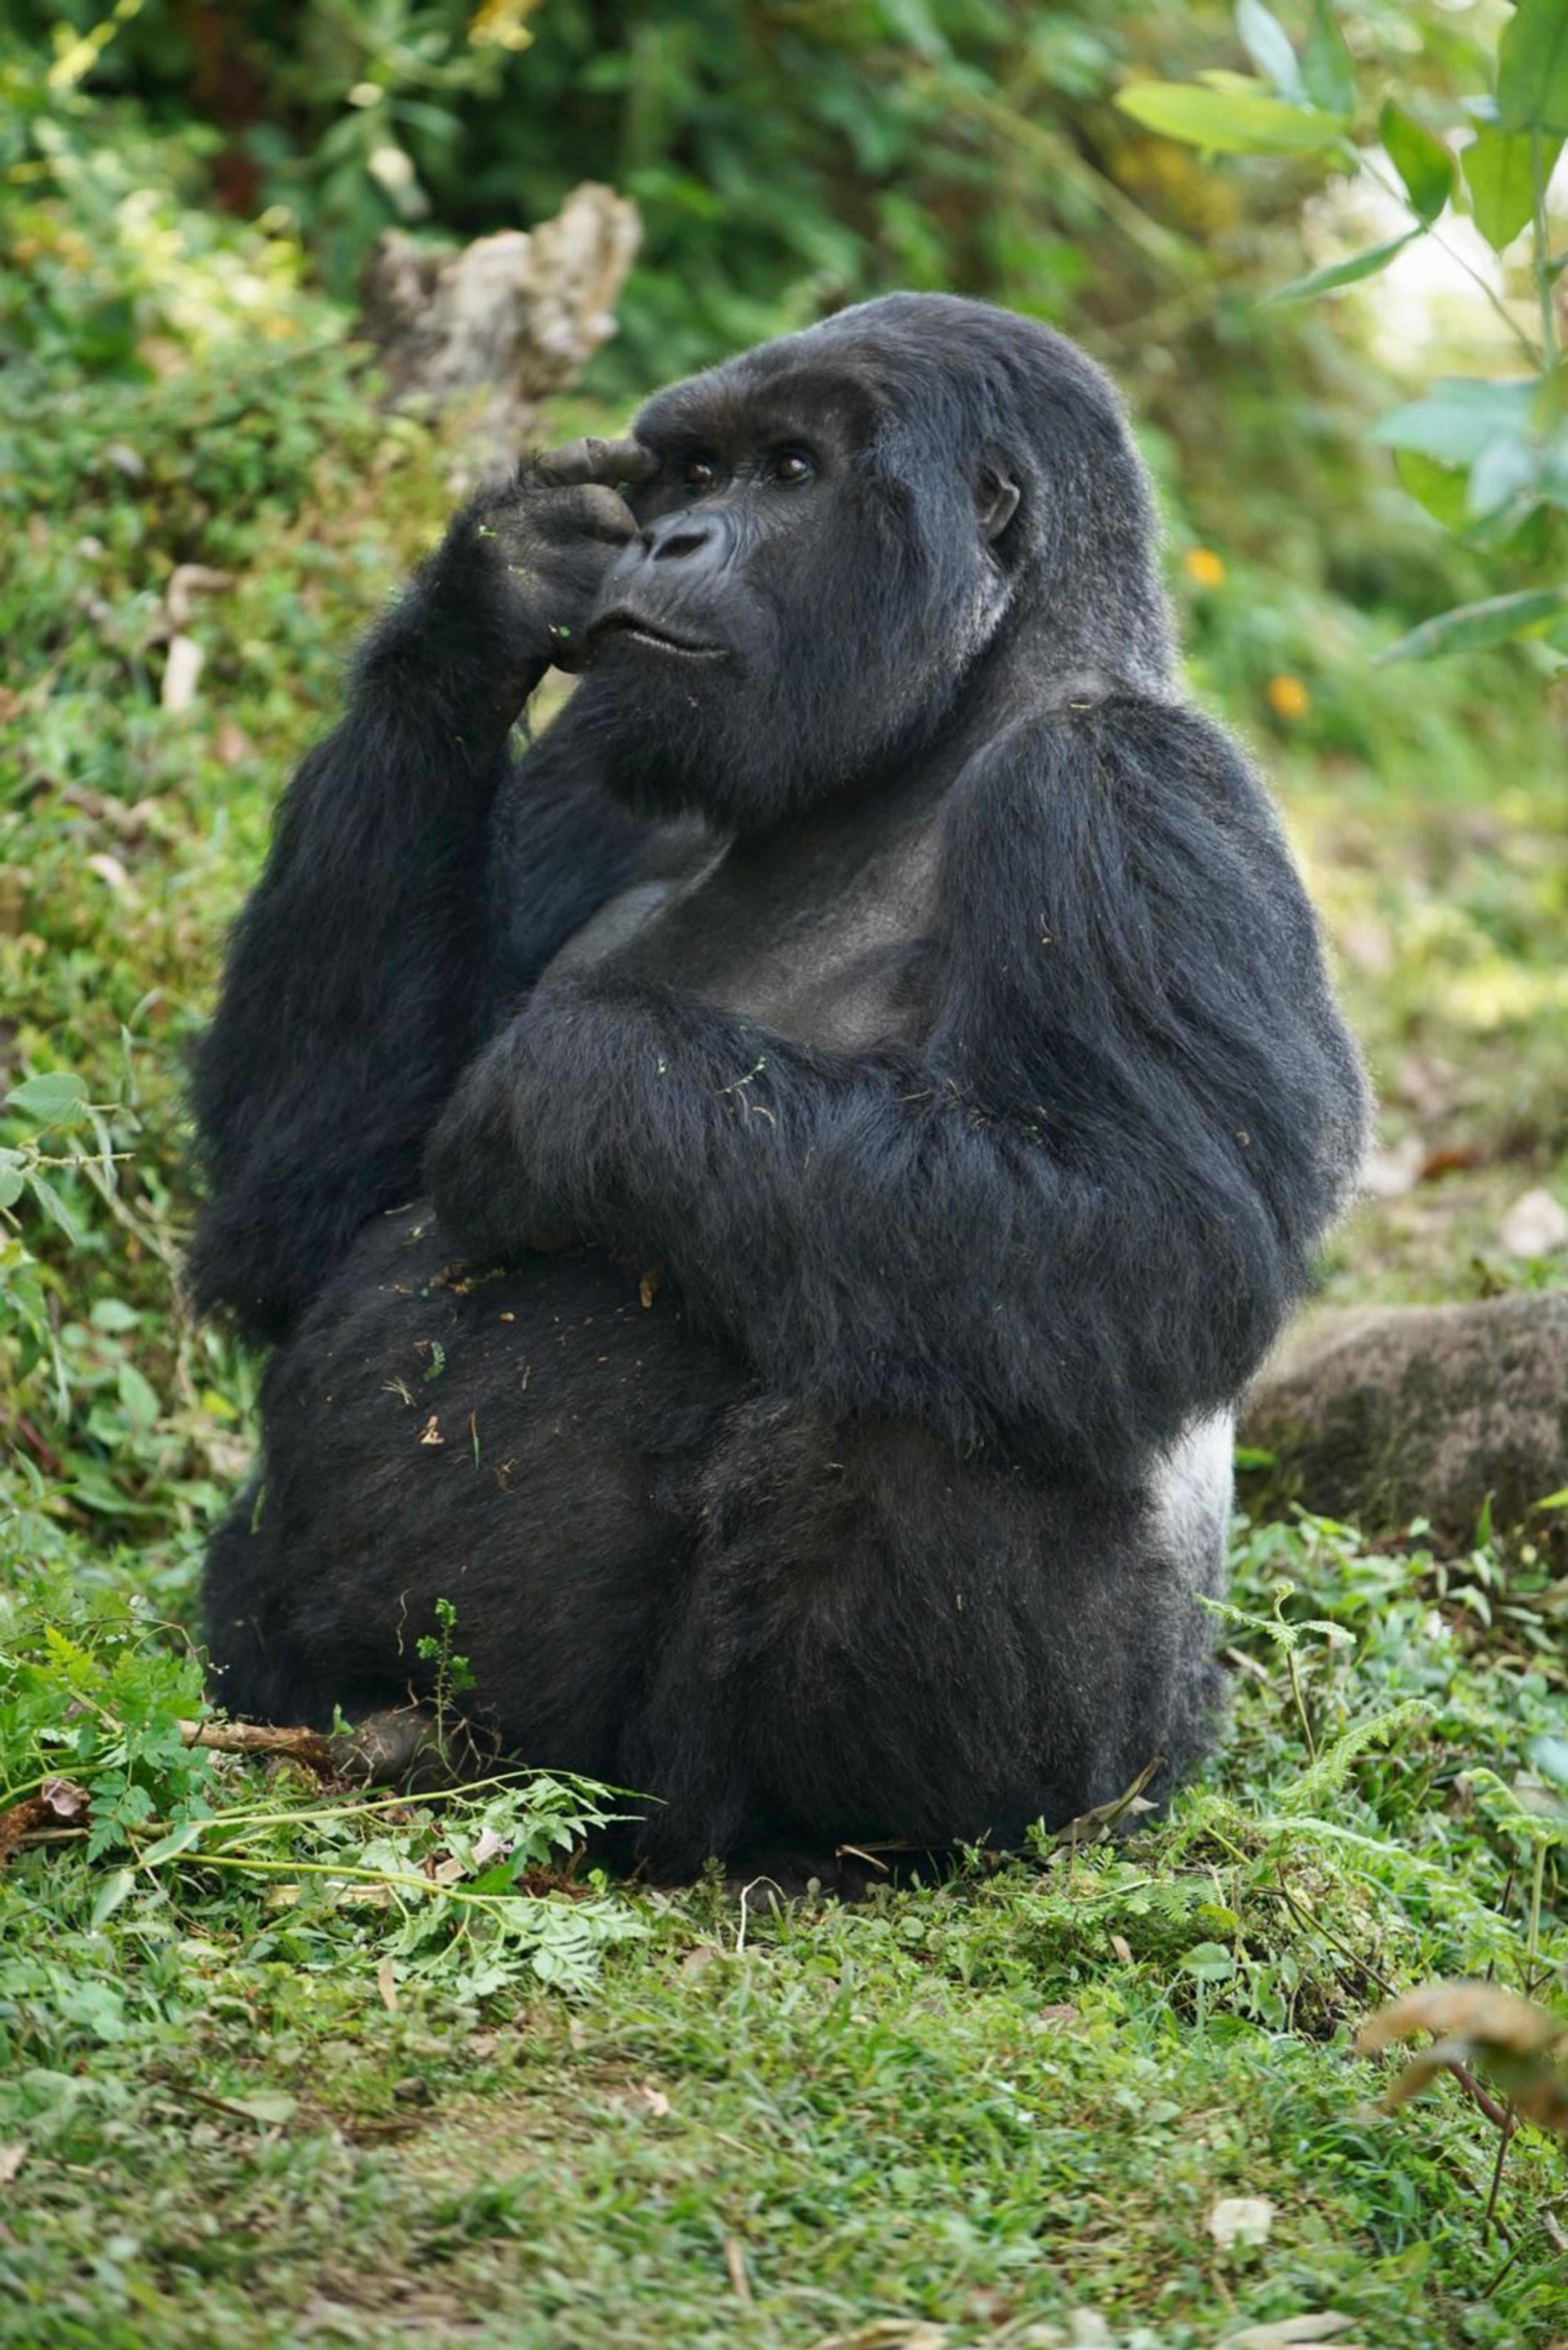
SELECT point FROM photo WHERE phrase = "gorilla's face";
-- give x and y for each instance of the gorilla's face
(797, 607)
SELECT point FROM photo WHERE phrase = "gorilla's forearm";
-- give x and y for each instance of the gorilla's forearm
(865, 1235)
(357, 970)
(1075, 1215)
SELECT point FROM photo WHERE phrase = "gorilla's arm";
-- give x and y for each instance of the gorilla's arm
(1075, 1215)
(366, 965)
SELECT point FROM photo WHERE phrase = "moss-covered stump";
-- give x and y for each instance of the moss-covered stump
(1380, 1415)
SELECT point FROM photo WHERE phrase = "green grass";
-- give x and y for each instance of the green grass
(257, 2082)
(257, 2099)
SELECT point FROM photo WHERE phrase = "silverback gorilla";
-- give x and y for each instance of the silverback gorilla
(868, 1091)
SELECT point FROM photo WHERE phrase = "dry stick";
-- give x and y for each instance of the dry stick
(261, 1738)
(1490, 2219)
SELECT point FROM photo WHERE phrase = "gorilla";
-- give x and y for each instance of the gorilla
(766, 1201)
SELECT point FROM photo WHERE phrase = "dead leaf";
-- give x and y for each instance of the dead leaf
(1427, 1085)
(1509, 2038)
(1121, 1948)
(63, 1800)
(489, 1846)
(1389, 1174)
(107, 868)
(1480, 2011)
(658, 2103)
(1311, 2326)
(735, 2261)
(1240, 2219)
(1536, 1225)
(231, 744)
(890, 2333)
(1452, 1159)
(1060, 2018)
(1097, 1822)
(1367, 945)
(386, 1983)
(430, 1432)
(12, 2157)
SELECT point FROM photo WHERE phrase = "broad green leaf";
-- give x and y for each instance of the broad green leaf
(1341, 272)
(138, 1395)
(1443, 489)
(1229, 122)
(1470, 627)
(1508, 469)
(1549, 1756)
(56, 1099)
(112, 1892)
(54, 1208)
(112, 1314)
(1456, 419)
(1210, 1961)
(273, 2106)
(1267, 45)
(1499, 177)
(1327, 69)
(1421, 159)
(12, 1163)
(1533, 69)
(169, 1848)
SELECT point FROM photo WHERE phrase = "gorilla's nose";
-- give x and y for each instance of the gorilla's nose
(701, 542)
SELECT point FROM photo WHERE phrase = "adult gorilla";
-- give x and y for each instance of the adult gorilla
(874, 1072)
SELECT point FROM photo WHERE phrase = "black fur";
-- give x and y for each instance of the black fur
(908, 1015)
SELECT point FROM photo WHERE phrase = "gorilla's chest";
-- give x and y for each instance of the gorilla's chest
(817, 934)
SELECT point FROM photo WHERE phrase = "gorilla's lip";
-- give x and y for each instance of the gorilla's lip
(624, 622)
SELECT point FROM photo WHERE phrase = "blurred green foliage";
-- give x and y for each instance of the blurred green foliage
(1487, 457)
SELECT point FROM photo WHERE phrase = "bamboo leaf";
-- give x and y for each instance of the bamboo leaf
(1421, 159)
(1470, 627)
(1533, 69)
(1500, 176)
(1229, 121)
(1341, 273)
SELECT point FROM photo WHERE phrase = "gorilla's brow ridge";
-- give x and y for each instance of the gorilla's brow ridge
(723, 410)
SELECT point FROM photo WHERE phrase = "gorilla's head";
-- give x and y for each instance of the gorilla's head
(857, 534)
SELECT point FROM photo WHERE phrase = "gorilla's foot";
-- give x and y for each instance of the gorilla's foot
(406, 1746)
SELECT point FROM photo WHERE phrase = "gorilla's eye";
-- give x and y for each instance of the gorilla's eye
(791, 466)
(700, 473)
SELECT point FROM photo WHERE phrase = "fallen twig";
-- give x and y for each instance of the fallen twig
(308, 1746)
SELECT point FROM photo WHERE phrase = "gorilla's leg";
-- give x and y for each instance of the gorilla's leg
(882, 1641)
(517, 1443)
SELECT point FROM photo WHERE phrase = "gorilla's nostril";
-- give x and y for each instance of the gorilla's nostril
(678, 543)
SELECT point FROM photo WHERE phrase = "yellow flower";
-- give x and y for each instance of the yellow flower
(1288, 697)
(1203, 567)
(498, 25)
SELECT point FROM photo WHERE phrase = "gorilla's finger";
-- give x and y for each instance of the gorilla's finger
(602, 514)
(606, 462)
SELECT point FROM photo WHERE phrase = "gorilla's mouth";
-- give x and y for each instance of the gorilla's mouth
(631, 627)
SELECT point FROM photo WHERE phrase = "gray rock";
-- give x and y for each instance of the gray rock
(1384, 1413)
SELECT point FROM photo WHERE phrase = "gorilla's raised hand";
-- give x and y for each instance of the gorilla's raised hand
(551, 533)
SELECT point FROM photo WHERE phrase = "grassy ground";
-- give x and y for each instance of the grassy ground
(275, 2067)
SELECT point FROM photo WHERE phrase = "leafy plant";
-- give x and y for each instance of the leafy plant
(1488, 458)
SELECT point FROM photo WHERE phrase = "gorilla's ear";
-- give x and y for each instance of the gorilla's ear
(996, 501)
